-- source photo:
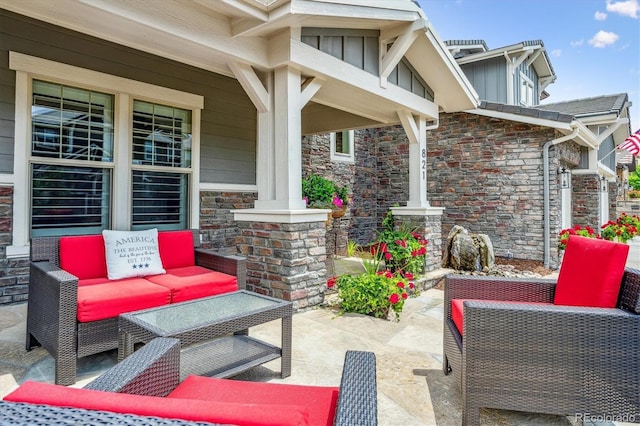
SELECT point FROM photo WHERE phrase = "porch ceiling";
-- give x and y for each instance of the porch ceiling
(209, 34)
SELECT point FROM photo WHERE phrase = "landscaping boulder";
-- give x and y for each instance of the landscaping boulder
(467, 252)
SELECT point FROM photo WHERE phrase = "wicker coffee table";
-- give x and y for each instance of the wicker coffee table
(214, 332)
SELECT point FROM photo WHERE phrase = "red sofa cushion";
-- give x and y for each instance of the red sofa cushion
(245, 414)
(457, 310)
(83, 256)
(108, 300)
(176, 249)
(194, 282)
(591, 273)
(320, 401)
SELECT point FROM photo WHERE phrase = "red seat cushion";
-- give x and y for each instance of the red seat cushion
(110, 299)
(176, 249)
(83, 256)
(591, 273)
(194, 282)
(240, 413)
(320, 401)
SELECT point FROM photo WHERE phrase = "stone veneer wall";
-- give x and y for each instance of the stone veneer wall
(487, 173)
(316, 159)
(14, 273)
(218, 230)
(285, 260)
(586, 200)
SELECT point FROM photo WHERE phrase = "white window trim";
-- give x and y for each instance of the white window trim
(28, 68)
(527, 95)
(337, 156)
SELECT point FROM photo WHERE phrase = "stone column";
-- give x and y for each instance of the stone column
(285, 260)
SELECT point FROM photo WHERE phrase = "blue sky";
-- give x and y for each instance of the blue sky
(593, 45)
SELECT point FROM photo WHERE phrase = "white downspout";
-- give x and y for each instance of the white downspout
(545, 163)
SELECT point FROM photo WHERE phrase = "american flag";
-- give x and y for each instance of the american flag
(632, 143)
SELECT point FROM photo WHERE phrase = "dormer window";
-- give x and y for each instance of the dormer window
(526, 91)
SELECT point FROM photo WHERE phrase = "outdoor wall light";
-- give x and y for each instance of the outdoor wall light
(565, 178)
(604, 184)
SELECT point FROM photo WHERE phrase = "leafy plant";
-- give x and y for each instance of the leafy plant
(622, 229)
(402, 249)
(352, 248)
(322, 193)
(374, 294)
(634, 180)
(584, 231)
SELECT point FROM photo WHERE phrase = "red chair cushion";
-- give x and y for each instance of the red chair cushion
(197, 410)
(176, 249)
(110, 299)
(320, 401)
(591, 273)
(83, 256)
(194, 282)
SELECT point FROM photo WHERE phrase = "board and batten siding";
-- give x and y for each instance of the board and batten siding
(228, 121)
(361, 48)
(489, 79)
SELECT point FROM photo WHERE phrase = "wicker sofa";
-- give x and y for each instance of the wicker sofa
(539, 357)
(145, 389)
(74, 313)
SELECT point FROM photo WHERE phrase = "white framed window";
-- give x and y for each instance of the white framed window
(526, 91)
(96, 151)
(342, 146)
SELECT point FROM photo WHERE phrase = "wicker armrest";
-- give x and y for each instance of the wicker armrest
(153, 370)
(53, 295)
(228, 264)
(357, 399)
(496, 288)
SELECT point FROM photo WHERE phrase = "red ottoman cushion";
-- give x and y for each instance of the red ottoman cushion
(320, 401)
(194, 282)
(591, 273)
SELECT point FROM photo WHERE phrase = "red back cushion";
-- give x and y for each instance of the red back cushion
(591, 273)
(176, 249)
(83, 256)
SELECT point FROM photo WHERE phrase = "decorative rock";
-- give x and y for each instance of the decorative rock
(468, 252)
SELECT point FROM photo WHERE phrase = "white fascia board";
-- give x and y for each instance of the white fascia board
(522, 119)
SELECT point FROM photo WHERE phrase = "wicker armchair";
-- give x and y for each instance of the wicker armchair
(154, 370)
(52, 307)
(543, 358)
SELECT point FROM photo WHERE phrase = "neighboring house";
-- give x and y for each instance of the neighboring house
(131, 115)
(511, 168)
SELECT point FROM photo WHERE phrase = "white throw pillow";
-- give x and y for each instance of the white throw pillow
(132, 253)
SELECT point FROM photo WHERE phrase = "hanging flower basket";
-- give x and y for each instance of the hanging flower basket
(338, 212)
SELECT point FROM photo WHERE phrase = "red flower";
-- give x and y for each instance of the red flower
(394, 298)
(388, 274)
(331, 281)
(401, 243)
(405, 295)
(400, 284)
(416, 235)
(412, 286)
(388, 256)
(408, 275)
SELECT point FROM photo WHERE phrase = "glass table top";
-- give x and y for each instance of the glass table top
(186, 315)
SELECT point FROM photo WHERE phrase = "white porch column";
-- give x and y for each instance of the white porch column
(416, 130)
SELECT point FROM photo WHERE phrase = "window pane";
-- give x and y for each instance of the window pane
(69, 200)
(161, 135)
(71, 123)
(159, 200)
(343, 144)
